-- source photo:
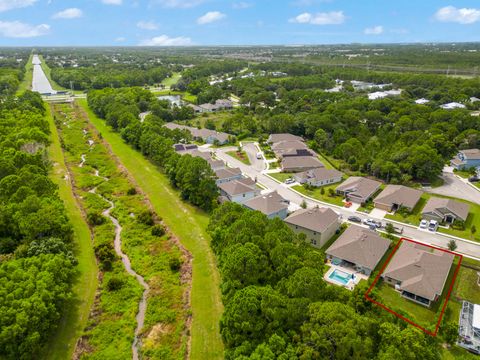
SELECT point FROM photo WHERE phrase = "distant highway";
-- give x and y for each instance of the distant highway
(40, 81)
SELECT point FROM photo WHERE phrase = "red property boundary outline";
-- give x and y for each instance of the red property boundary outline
(401, 316)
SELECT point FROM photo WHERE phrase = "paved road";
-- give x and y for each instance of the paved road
(40, 82)
(437, 239)
(453, 186)
(252, 151)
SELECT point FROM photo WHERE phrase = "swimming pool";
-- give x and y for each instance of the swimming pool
(340, 276)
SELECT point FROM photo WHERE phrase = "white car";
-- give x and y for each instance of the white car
(289, 181)
(433, 225)
(423, 224)
(259, 156)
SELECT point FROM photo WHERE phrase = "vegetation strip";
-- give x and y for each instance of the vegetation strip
(189, 224)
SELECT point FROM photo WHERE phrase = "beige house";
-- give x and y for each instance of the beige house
(272, 205)
(318, 224)
(395, 196)
(275, 138)
(227, 174)
(319, 177)
(359, 248)
(418, 272)
(358, 189)
(238, 191)
(445, 210)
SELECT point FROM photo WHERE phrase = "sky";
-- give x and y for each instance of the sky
(235, 22)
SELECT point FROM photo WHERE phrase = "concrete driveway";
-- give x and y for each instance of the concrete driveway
(251, 150)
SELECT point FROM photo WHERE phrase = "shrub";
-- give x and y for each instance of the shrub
(132, 191)
(114, 283)
(95, 218)
(106, 256)
(146, 217)
(158, 230)
(175, 263)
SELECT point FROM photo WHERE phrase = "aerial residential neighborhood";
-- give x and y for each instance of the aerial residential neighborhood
(239, 180)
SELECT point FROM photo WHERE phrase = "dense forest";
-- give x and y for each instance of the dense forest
(36, 260)
(121, 108)
(277, 305)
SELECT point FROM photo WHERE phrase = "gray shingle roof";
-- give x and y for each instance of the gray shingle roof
(228, 173)
(267, 204)
(360, 186)
(237, 187)
(421, 269)
(400, 195)
(316, 219)
(300, 162)
(360, 246)
(436, 205)
(320, 174)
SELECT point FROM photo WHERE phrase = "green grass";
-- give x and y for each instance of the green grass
(74, 319)
(26, 83)
(316, 193)
(413, 217)
(463, 173)
(466, 285)
(281, 176)
(185, 95)
(326, 162)
(240, 156)
(189, 224)
(172, 80)
(218, 119)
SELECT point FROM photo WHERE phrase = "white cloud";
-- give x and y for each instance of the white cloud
(120, 39)
(164, 40)
(147, 25)
(112, 2)
(17, 29)
(461, 16)
(326, 18)
(376, 30)
(182, 4)
(241, 5)
(210, 17)
(71, 13)
(15, 4)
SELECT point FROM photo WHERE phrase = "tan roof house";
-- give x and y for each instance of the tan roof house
(358, 189)
(319, 177)
(272, 205)
(319, 224)
(275, 138)
(445, 210)
(360, 248)
(228, 174)
(419, 272)
(395, 196)
(300, 163)
(239, 191)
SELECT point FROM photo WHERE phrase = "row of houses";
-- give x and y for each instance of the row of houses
(205, 135)
(219, 105)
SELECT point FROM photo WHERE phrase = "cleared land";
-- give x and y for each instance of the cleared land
(74, 320)
(316, 193)
(189, 224)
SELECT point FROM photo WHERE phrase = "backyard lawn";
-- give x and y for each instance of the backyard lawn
(281, 176)
(316, 193)
(189, 224)
(240, 156)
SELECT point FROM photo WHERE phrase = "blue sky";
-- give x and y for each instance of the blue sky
(235, 22)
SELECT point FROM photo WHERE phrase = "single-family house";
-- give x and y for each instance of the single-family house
(395, 196)
(272, 205)
(196, 109)
(239, 191)
(452, 105)
(206, 135)
(227, 175)
(224, 104)
(216, 164)
(318, 224)
(300, 163)
(422, 101)
(418, 272)
(359, 248)
(184, 148)
(445, 210)
(275, 138)
(319, 177)
(291, 148)
(358, 189)
(466, 159)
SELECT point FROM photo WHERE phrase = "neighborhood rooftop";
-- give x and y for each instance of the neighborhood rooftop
(300, 162)
(267, 204)
(441, 206)
(316, 219)
(359, 246)
(275, 138)
(421, 269)
(359, 186)
(399, 195)
(237, 187)
(228, 173)
(319, 174)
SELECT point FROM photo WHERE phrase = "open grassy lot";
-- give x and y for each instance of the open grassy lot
(217, 118)
(325, 161)
(185, 95)
(240, 156)
(26, 83)
(316, 193)
(189, 225)
(74, 319)
(172, 80)
(281, 176)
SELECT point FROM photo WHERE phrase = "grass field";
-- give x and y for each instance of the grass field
(74, 320)
(185, 95)
(240, 156)
(172, 80)
(316, 193)
(189, 224)
(26, 83)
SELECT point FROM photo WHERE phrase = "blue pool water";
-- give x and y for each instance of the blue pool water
(340, 276)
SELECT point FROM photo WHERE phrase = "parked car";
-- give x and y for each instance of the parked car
(423, 224)
(473, 179)
(259, 156)
(289, 181)
(371, 222)
(433, 225)
(354, 219)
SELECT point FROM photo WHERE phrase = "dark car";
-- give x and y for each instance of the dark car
(473, 179)
(354, 219)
